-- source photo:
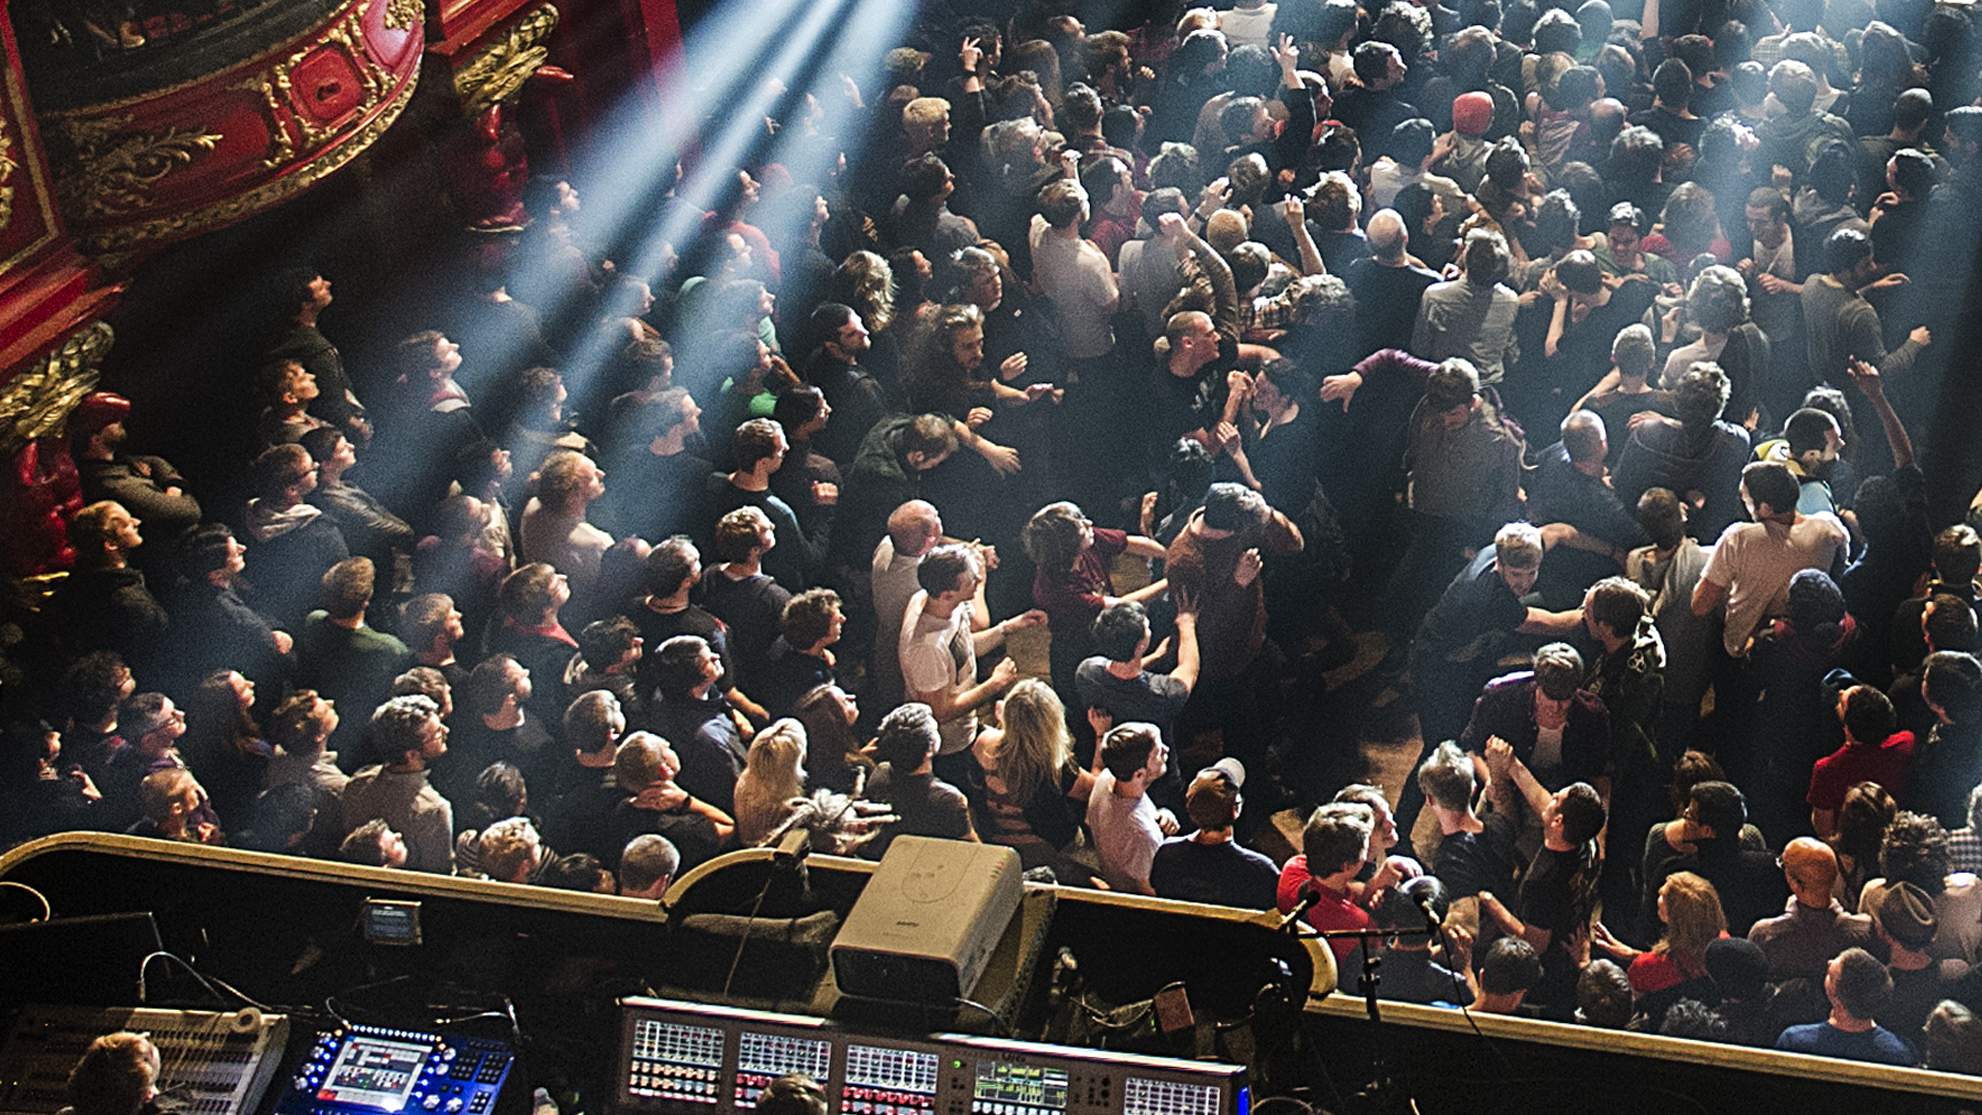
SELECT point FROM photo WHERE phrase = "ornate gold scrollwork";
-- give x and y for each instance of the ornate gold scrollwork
(281, 147)
(349, 34)
(111, 173)
(295, 182)
(7, 168)
(497, 73)
(38, 402)
(401, 15)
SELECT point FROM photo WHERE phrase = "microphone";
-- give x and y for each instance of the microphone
(1308, 897)
(1423, 902)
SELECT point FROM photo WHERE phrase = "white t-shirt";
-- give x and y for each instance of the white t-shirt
(1754, 563)
(1126, 834)
(937, 654)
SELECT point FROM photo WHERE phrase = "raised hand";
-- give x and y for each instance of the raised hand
(1214, 196)
(1248, 569)
(1004, 673)
(1286, 55)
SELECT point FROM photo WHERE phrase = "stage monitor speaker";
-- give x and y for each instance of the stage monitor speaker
(928, 921)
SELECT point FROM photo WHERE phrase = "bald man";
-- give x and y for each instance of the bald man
(914, 528)
(1569, 488)
(1814, 927)
(1387, 285)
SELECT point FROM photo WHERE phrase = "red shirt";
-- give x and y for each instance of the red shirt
(1887, 764)
(1110, 233)
(1336, 910)
(1653, 971)
(1073, 597)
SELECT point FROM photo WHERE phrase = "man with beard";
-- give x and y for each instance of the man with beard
(835, 370)
(1809, 446)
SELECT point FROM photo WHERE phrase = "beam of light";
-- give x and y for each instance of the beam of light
(779, 55)
(726, 150)
(722, 152)
(632, 159)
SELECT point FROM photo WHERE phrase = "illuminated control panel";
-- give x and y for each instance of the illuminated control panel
(1018, 1088)
(762, 1058)
(883, 1081)
(369, 1070)
(679, 1058)
(1169, 1097)
(673, 1061)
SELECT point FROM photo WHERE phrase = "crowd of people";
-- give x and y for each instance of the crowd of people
(1554, 365)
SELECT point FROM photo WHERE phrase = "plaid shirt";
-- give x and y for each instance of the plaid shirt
(1964, 851)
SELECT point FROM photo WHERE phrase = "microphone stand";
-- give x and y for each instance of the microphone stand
(1380, 1087)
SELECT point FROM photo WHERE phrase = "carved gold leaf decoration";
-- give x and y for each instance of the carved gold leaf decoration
(7, 168)
(401, 15)
(38, 402)
(112, 172)
(281, 147)
(349, 35)
(497, 73)
(110, 241)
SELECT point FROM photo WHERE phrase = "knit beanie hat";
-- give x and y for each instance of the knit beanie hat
(1472, 114)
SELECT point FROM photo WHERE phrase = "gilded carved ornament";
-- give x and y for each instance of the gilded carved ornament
(278, 95)
(7, 168)
(110, 173)
(295, 182)
(496, 74)
(347, 33)
(402, 15)
(38, 402)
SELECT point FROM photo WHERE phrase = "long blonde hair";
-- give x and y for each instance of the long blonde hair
(1036, 745)
(1693, 917)
(773, 774)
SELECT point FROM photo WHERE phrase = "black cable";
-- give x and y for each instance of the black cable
(508, 1012)
(1465, 1009)
(331, 999)
(1004, 1028)
(1307, 1043)
(144, 964)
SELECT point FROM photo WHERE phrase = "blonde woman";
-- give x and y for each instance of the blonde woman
(1690, 909)
(773, 774)
(1034, 794)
